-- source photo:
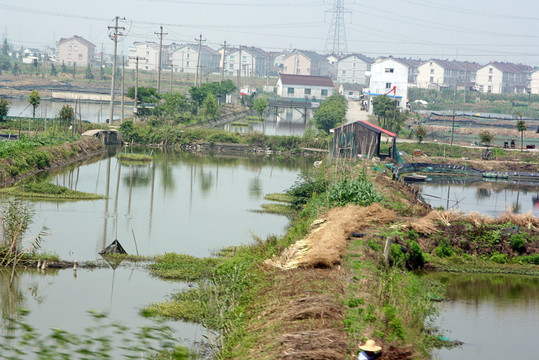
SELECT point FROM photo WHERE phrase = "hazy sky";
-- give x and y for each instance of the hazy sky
(477, 30)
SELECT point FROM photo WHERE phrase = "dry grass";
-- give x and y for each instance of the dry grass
(324, 246)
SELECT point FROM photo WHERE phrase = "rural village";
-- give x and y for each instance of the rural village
(173, 199)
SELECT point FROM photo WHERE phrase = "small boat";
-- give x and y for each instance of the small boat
(414, 177)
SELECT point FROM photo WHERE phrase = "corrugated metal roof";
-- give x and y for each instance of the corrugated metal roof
(376, 128)
(290, 79)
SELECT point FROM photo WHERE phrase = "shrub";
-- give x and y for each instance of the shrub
(444, 250)
(499, 258)
(359, 191)
(416, 259)
(518, 242)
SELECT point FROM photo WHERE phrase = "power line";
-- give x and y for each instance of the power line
(336, 40)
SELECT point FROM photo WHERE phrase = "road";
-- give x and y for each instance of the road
(355, 113)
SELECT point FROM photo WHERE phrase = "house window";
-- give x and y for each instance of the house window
(490, 70)
(231, 66)
(324, 92)
(231, 57)
(432, 71)
(350, 93)
(389, 70)
(76, 48)
(343, 72)
(69, 56)
(431, 79)
(354, 65)
(70, 47)
(490, 78)
(187, 63)
(244, 58)
(307, 91)
(481, 88)
(147, 53)
(187, 55)
(388, 85)
(430, 63)
(80, 56)
(146, 67)
(489, 88)
(290, 91)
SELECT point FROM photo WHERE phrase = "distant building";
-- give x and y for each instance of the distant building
(503, 78)
(251, 60)
(148, 54)
(388, 77)
(76, 50)
(304, 86)
(436, 74)
(411, 64)
(353, 69)
(351, 91)
(302, 62)
(184, 58)
(534, 82)
(333, 61)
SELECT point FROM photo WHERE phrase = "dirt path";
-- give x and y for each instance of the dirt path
(355, 113)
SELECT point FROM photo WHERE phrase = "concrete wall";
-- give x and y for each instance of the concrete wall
(386, 74)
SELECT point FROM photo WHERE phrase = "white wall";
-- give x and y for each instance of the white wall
(489, 76)
(383, 79)
(429, 73)
(535, 82)
(352, 70)
(150, 55)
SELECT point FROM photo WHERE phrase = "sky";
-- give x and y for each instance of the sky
(466, 30)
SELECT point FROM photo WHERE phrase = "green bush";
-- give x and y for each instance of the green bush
(499, 258)
(359, 191)
(518, 242)
(416, 258)
(444, 250)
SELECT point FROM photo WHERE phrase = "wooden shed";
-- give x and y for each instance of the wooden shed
(360, 138)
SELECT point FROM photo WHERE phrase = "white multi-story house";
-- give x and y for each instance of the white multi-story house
(534, 82)
(304, 86)
(76, 50)
(251, 60)
(388, 77)
(436, 74)
(148, 54)
(503, 78)
(184, 58)
(353, 69)
(302, 62)
(333, 61)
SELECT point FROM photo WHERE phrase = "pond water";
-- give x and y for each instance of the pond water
(180, 203)
(495, 316)
(487, 197)
(93, 112)
(286, 122)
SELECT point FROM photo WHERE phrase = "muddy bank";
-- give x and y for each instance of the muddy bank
(61, 155)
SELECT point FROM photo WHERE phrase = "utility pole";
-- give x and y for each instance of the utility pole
(454, 101)
(160, 34)
(122, 107)
(239, 79)
(224, 62)
(171, 75)
(197, 76)
(114, 36)
(136, 58)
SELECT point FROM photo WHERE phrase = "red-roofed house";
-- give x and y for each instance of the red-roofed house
(304, 86)
(360, 138)
(503, 78)
(76, 50)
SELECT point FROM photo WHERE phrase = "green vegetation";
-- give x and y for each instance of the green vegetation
(278, 197)
(359, 191)
(4, 109)
(96, 342)
(47, 191)
(389, 115)
(260, 105)
(183, 267)
(134, 157)
(332, 112)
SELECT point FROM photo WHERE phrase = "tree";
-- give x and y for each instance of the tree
(4, 108)
(260, 105)
(101, 72)
(74, 69)
(331, 112)
(5, 48)
(15, 69)
(521, 126)
(421, 133)
(64, 68)
(386, 109)
(486, 137)
(147, 95)
(89, 74)
(66, 115)
(210, 107)
(54, 72)
(34, 99)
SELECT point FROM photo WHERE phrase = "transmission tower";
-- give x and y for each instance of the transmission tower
(336, 40)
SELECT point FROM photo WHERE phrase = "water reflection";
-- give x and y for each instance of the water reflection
(180, 202)
(494, 315)
(284, 122)
(473, 194)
